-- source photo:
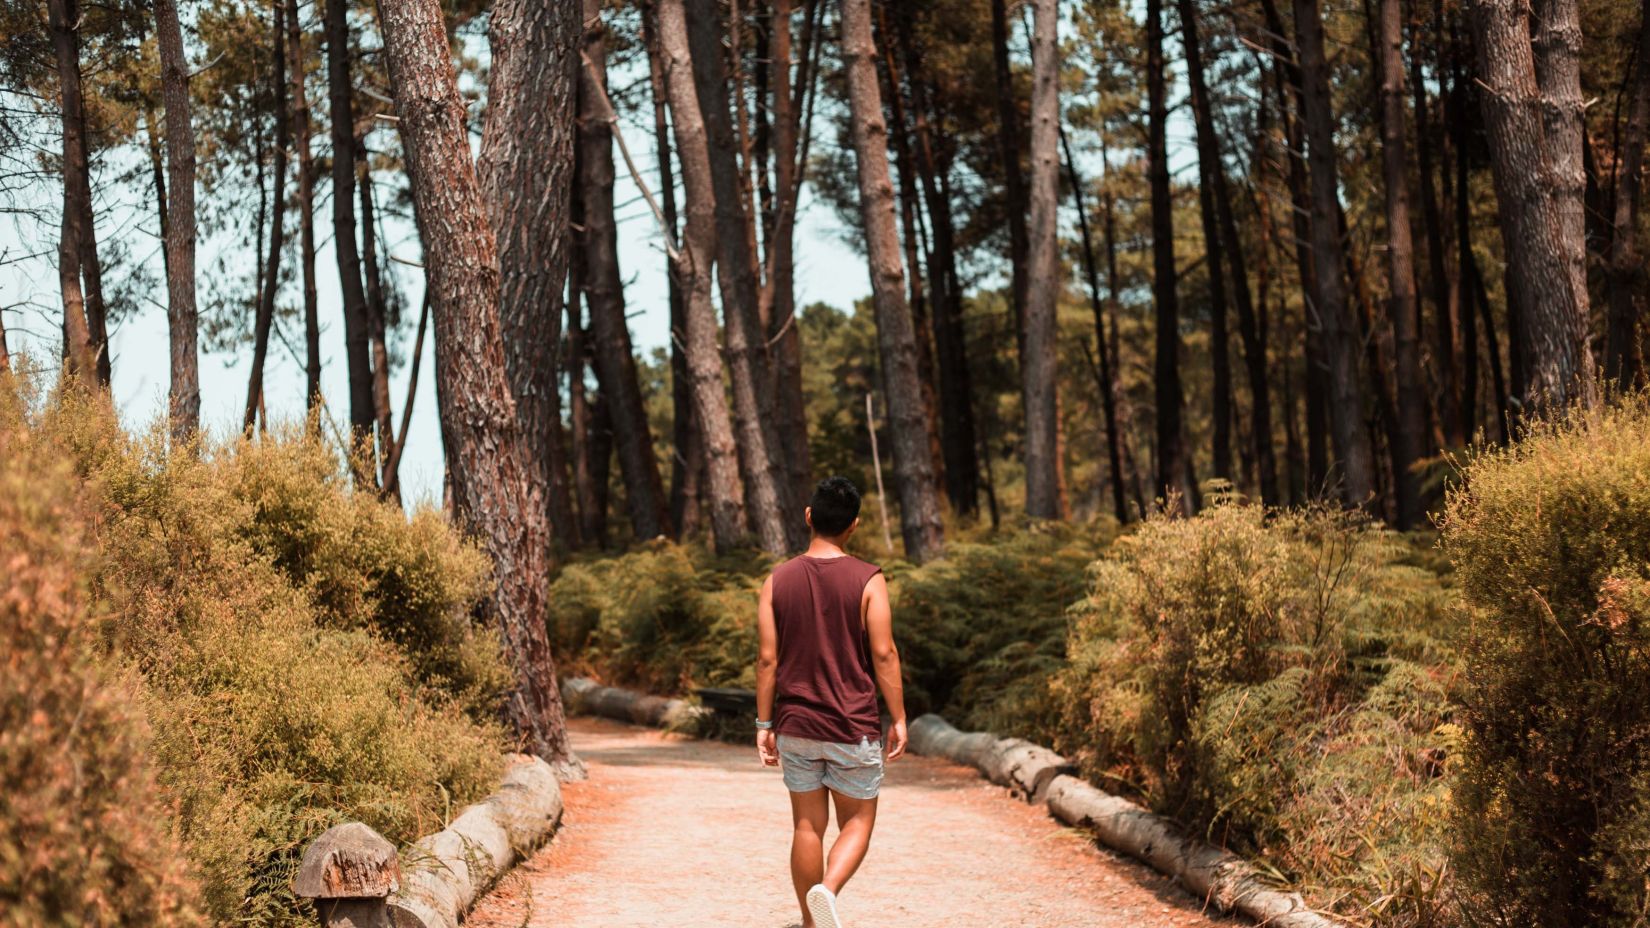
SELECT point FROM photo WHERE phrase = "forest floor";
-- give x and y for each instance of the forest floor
(681, 833)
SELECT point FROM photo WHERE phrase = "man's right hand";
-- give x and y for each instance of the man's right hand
(767, 747)
(897, 739)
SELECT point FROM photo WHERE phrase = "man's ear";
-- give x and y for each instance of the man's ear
(852, 528)
(808, 515)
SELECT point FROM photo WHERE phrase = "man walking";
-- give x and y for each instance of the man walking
(826, 647)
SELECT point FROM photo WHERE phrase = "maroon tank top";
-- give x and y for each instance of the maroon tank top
(826, 689)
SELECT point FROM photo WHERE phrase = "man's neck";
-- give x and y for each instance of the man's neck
(825, 547)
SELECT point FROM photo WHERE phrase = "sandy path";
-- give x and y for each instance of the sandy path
(695, 834)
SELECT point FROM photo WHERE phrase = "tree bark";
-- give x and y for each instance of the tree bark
(776, 521)
(341, 109)
(692, 267)
(604, 292)
(1172, 462)
(184, 404)
(79, 349)
(1209, 166)
(789, 115)
(306, 207)
(493, 474)
(1456, 117)
(1409, 432)
(378, 311)
(896, 340)
(1039, 373)
(687, 459)
(1339, 331)
(77, 184)
(1008, 153)
(956, 391)
(265, 318)
(1623, 350)
(1446, 313)
(526, 168)
(1531, 95)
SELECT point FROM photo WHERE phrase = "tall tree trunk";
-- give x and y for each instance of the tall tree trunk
(1446, 313)
(604, 291)
(1008, 153)
(896, 339)
(791, 112)
(1532, 116)
(79, 349)
(694, 260)
(341, 109)
(776, 521)
(265, 318)
(306, 207)
(1108, 394)
(1456, 117)
(1172, 461)
(1339, 332)
(589, 491)
(956, 391)
(1039, 359)
(1623, 350)
(184, 403)
(378, 312)
(490, 464)
(1209, 165)
(526, 168)
(687, 459)
(1409, 430)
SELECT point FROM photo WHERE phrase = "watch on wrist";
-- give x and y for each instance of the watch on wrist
(764, 726)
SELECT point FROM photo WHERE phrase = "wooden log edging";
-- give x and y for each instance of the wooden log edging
(613, 702)
(357, 880)
(1222, 878)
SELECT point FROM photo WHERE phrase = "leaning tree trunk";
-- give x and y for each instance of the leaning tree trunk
(1172, 463)
(272, 267)
(1623, 351)
(184, 404)
(306, 207)
(1532, 117)
(378, 311)
(896, 335)
(79, 350)
(495, 490)
(1039, 375)
(1339, 332)
(357, 352)
(604, 292)
(1402, 309)
(77, 188)
(692, 267)
(776, 521)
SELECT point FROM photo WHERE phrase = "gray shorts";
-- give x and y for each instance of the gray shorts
(854, 770)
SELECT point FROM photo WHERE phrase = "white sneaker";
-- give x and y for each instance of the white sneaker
(822, 905)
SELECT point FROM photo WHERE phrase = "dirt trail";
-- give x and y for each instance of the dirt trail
(670, 832)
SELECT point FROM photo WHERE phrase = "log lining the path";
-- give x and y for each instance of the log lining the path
(1214, 874)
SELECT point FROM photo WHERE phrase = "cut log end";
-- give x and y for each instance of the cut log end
(348, 861)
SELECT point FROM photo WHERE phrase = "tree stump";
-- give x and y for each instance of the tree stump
(348, 873)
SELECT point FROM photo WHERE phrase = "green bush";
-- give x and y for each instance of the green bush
(1551, 541)
(981, 631)
(83, 833)
(1269, 679)
(665, 617)
(302, 664)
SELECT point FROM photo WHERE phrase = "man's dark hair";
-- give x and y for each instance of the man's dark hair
(835, 506)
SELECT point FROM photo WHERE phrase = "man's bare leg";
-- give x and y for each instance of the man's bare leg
(854, 819)
(809, 816)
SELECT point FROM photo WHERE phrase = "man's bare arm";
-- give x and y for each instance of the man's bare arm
(767, 666)
(879, 626)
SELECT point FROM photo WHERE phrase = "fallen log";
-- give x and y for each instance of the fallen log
(357, 881)
(612, 702)
(1210, 873)
(1023, 767)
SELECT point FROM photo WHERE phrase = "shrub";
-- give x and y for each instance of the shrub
(665, 617)
(302, 665)
(1259, 676)
(1551, 542)
(981, 631)
(83, 831)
